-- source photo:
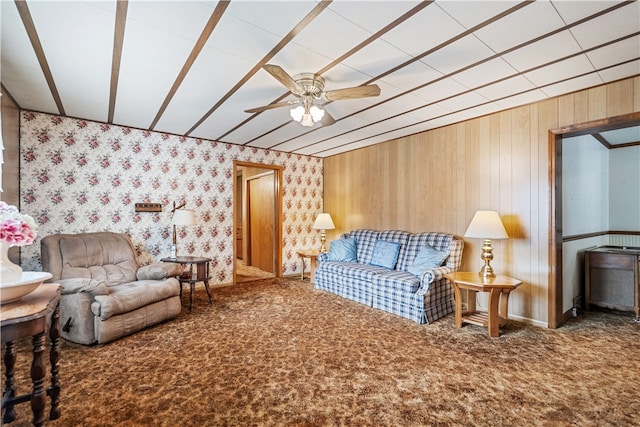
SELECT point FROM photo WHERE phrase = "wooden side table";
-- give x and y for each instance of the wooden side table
(313, 259)
(198, 271)
(32, 316)
(498, 287)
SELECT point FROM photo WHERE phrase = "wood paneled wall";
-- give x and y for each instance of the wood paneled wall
(11, 143)
(436, 180)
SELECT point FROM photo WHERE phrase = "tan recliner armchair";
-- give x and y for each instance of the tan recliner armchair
(106, 294)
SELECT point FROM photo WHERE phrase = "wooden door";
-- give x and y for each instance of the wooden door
(261, 207)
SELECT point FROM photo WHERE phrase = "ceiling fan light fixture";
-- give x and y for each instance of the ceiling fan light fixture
(307, 120)
(317, 113)
(297, 113)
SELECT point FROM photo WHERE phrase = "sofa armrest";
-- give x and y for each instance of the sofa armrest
(159, 271)
(77, 285)
(322, 256)
(431, 275)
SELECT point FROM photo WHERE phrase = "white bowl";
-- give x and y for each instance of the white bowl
(13, 291)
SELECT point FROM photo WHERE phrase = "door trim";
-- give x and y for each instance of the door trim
(278, 203)
(555, 315)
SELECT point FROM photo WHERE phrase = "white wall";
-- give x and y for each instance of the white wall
(585, 186)
(624, 189)
(600, 192)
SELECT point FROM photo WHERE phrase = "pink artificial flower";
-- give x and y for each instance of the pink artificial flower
(16, 229)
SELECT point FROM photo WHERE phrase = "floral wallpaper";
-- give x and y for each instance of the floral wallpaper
(82, 176)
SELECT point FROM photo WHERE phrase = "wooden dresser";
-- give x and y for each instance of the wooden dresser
(612, 278)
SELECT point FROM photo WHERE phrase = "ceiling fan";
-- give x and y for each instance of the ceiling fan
(309, 89)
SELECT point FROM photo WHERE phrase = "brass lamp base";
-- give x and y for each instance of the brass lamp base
(323, 240)
(486, 272)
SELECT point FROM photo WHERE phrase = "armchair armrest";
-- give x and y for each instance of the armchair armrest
(159, 271)
(79, 284)
(322, 256)
(431, 275)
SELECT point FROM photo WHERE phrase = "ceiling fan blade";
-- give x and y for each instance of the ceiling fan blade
(270, 106)
(327, 119)
(352, 92)
(283, 77)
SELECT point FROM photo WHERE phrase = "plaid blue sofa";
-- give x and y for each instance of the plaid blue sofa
(422, 299)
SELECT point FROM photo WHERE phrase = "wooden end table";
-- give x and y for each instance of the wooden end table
(313, 259)
(498, 288)
(32, 316)
(198, 271)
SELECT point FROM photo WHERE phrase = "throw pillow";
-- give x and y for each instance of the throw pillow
(428, 257)
(342, 250)
(385, 254)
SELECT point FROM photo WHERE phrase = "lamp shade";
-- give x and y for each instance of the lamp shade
(486, 225)
(183, 217)
(323, 222)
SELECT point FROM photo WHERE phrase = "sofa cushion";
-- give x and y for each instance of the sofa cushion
(385, 254)
(351, 270)
(365, 241)
(79, 284)
(428, 257)
(342, 250)
(159, 271)
(398, 281)
(104, 256)
(417, 241)
(131, 296)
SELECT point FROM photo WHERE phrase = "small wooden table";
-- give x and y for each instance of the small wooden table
(313, 259)
(191, 276)
(498, 287)
(32, 316)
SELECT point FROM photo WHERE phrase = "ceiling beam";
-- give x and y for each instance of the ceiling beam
(30, 27)
(278, 47)
(216, 15)
(337, 61)
(118, 40)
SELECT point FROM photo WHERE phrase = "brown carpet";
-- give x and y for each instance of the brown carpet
(284, 354)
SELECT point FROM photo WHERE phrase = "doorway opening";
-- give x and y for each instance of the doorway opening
(556, 314)
(258, 221)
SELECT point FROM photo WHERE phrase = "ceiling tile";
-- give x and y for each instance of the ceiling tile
(615, 53)
(546, 50)
(459, 54)
(560, 70)
(432, 24)
(506, 87)
(533, 20)
(623, 21)
(572, 85)
(152, 57)
(80, 35)
(21, 72)
(621, 71)
(574, 10)
(484, 73)
(472, 13)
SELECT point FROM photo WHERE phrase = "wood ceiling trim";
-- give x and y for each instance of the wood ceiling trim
(320, 7)
(497, 55)
(30, 27)
(462, 109)
(216, 15)
(337, 61)
(416, 58)
(477, 88)
(601, 140)
(5, 92)
(118, 41)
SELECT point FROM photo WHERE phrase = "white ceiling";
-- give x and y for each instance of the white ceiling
(192, 67)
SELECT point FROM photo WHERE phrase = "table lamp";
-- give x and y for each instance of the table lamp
(486, 225)
(323, 222)
(180, 217)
